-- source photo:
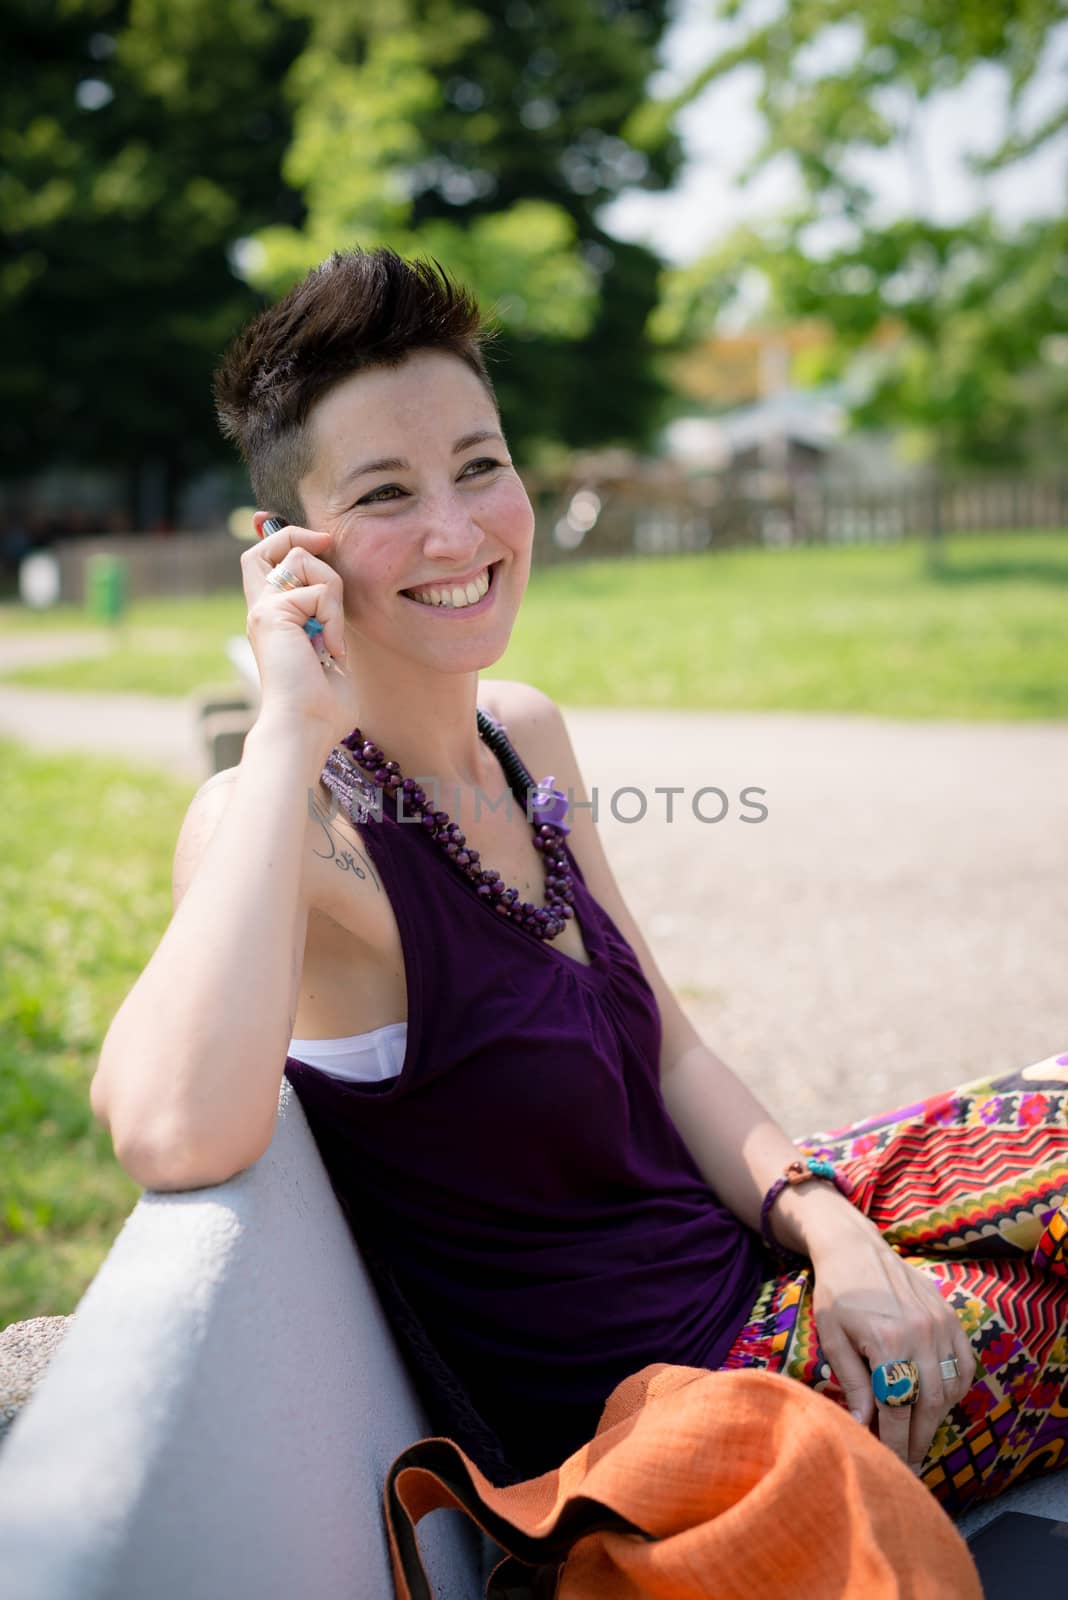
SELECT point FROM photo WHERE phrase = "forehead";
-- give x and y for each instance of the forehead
(421, 404)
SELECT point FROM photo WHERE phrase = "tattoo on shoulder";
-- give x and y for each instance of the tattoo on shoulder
(346, 856)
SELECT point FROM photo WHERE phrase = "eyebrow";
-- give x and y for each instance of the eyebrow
(399, 464)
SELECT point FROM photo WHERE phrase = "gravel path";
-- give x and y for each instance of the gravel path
(142, 728)
(898, 923)
(41, 649)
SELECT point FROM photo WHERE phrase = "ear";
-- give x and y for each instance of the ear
(258, 520)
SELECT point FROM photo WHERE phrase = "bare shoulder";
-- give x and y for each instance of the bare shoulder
(201, 819)
(218, 780)
(531, 718)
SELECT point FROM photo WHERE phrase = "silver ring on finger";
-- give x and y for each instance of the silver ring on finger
(281, 578)
(950, 1369)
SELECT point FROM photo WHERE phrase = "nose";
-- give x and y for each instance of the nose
(452, 535)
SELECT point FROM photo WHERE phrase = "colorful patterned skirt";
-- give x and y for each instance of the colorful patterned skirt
(969, 1186)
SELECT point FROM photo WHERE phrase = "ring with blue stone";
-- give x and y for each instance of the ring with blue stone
(896, 1383)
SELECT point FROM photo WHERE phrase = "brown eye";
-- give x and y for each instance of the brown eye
(388, 489)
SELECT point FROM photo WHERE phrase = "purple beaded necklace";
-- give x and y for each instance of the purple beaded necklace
(546, 806)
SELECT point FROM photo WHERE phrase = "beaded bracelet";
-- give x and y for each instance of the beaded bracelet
(796, 1172)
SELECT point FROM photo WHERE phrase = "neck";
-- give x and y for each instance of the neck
(426, 723)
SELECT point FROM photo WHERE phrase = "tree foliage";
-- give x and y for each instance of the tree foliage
(488, 134)
(981, 309)
(138, 139)
(166, 164)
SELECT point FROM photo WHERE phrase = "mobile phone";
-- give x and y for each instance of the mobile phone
(313, 627)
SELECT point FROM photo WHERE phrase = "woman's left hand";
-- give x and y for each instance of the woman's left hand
(871, 1307)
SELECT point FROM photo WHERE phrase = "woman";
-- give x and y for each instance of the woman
(555, 1181)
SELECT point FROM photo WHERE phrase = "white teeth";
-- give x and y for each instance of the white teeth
(455, 598)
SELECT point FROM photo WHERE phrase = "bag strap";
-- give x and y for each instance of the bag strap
(434, 1474)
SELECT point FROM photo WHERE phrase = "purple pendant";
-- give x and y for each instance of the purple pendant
(550, 805)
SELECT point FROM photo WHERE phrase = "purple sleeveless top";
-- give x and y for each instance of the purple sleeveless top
(521, 1178)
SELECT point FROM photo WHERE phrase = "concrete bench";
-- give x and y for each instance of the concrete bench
(221, 1413)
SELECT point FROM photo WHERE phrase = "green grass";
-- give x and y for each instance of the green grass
(167, 647)
(854, 628)
(85, 851)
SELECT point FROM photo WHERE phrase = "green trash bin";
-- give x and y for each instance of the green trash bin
(105, 586)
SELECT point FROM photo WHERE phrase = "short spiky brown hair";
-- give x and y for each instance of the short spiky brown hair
(358, 309)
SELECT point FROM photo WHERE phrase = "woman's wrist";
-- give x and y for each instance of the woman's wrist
(303, 742)
(814, 1217)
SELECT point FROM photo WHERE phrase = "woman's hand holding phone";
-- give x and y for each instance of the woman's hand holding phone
(291, 655)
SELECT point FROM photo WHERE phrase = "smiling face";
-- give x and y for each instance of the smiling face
(413, 478)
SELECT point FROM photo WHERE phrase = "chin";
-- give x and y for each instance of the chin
(475, 658)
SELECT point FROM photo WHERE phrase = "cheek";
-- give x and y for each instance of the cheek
(368, 563)
(515, 514)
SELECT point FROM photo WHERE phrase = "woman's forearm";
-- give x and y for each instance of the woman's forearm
(191, 1066)
(740, 1151)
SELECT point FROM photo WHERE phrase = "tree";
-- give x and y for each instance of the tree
(164, 164)
(139, 138)
(488, 134)
(981, 310)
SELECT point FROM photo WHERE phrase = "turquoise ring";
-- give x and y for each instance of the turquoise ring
(896, 1383)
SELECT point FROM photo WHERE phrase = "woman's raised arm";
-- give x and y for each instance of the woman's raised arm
(191, 1066)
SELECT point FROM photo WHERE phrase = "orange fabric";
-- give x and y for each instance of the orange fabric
(698, 1485)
